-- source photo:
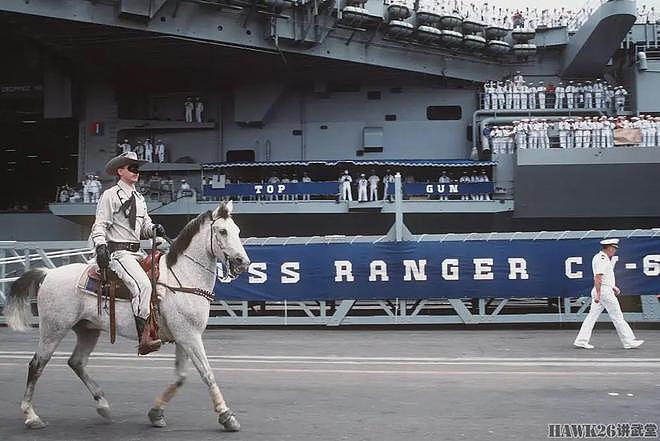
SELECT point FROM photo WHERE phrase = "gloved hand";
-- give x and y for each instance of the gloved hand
(102, 256)
(159, 230)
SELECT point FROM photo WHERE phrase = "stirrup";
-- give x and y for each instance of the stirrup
(146, 347)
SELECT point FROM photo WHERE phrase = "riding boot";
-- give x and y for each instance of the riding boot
(145, 343)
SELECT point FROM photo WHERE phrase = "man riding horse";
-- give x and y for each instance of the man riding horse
(121, 221)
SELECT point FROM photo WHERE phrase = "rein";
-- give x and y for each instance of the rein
(208, 295)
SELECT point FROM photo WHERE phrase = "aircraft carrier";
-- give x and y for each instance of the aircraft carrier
(316, 86)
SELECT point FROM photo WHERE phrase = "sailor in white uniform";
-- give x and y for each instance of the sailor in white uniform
(532, 96)
(570, 95)
(139, 150)
(362, 188)
(160, 151)
(508, 92)
(373, 186)
(524, 93)
(345, 181)
(444, 179)
(388, 180)
(603, 296)
(487, 94)
(199, 109)
(516, 96)
(87, 189)
(500, 95)
(560, 92)
(188, 107)
(588, 95)
(540, 90)
(148, 150)
(563, 129)
(96, 188)
(124, 147)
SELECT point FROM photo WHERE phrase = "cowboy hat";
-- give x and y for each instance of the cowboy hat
(122, 160)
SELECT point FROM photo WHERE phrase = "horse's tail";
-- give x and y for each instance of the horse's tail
(17, 310)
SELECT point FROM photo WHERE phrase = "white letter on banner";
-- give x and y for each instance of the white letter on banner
(483, 269)
(280, 188)
(257, 189)
(343, 268)
(378, 268)
(453, 188)
(429, 189)
(414, 269)
(568, 267)
(652, 265)
(518, 266)
(269, 189)
(257, 274)
(450, 269)
(290, 272)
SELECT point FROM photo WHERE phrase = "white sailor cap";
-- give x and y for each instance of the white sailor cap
(613, 242)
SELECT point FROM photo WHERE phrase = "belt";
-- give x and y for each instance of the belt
(133, 247)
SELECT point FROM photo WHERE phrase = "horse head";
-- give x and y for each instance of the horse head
(226, 244)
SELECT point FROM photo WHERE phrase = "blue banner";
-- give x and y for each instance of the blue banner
(318, 188)
(423, 270)
(450, 189)
(332, 188)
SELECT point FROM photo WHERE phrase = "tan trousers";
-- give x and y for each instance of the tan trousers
(125, 265)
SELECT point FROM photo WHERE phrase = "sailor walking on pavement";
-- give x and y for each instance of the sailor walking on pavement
(121, 221)
(603, 296)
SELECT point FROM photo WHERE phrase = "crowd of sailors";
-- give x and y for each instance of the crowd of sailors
(570, 132)
(518, 94)
(490, 14)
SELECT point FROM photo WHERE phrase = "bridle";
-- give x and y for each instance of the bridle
(225, 263)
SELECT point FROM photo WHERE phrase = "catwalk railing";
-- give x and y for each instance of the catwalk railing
(427, 279)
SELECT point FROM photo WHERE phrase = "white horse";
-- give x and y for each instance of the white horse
(190, 262)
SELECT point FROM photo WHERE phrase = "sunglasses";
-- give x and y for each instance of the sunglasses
(133, 169)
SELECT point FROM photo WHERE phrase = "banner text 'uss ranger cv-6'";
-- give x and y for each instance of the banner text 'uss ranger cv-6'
(451, 269)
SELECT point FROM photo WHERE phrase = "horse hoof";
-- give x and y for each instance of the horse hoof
(157, 418)
(35, 423)
(104, 412)
(229, 421)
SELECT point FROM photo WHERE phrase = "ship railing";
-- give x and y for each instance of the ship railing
(642, 36)
(17, 257)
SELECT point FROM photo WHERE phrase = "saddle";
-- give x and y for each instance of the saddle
(114, 282)
(116, 289)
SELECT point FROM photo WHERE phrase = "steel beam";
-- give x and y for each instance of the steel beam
(341, 312)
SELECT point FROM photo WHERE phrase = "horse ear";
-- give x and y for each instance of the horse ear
(223, 211)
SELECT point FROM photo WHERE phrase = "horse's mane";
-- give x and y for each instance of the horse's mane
(182, 241)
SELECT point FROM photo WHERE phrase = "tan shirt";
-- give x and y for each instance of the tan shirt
(112, 225)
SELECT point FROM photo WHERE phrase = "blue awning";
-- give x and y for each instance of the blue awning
(358, 162)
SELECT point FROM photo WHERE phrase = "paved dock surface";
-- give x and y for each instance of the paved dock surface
(346, 384)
